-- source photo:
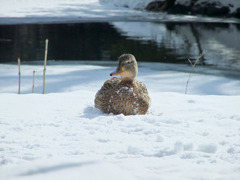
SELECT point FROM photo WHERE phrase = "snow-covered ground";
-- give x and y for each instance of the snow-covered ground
(60, 135)
(45, 11)
(62, 11)
(141, 4)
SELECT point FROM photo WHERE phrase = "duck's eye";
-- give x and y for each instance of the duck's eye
(125, 63)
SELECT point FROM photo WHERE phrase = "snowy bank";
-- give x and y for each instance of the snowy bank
(75, 11)
(54, 11)
(204, 7)
(208, 7)
(60, 134)
(132, 4)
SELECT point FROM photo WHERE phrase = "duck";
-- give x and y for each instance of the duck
(123, 95)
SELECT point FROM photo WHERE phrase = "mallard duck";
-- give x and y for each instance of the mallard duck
(123, 95)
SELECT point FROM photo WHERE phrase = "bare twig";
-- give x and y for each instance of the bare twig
(193, 66)
(190, 62)
(19, 76)
(45, 64)
(33, 81)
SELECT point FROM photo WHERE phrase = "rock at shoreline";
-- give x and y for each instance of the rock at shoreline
(203, 7)
(156, 6)
(238, 12)
(210, 9)
(160, 5)
(179, 9)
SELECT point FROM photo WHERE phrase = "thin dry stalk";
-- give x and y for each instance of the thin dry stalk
(45, 64)
(193, 66)
(19, 76)
(33, 81)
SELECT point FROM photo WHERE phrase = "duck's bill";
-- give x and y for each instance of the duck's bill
(117, 72)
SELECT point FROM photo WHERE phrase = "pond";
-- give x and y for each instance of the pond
(149, 41)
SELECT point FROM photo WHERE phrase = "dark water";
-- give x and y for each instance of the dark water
(148, 41)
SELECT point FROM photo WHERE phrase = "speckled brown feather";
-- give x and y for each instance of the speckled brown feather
(123, 97)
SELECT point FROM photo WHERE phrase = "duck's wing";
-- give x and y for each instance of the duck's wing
(104, 94)
(140, 87)
(109, 85)
(144, 101)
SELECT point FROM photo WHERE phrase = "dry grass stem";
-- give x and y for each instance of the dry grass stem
(193, 66)
(45, 64)
(19, 76)
(33, 81)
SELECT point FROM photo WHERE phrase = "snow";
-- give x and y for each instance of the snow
(61, 135)
(132, 4)
(232, 4)
(49, 8)
(54, 11)
(75, 11)
(141, 4)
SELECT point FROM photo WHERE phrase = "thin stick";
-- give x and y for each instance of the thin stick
(19, 76)
(45, 64)
(33, 81)
(193, 66)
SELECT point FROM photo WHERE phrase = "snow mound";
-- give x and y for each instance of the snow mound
(88, 170)
(132, 4)
(61, 134)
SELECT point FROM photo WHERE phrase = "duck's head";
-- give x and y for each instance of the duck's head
(127, 67)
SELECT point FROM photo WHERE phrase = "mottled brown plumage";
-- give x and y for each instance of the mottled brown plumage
(123, 95)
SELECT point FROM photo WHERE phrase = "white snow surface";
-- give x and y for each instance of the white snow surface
(141, 4)
(54, 11)
(74, 11)
(60, 135)
(232, 4)
(132, 4)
